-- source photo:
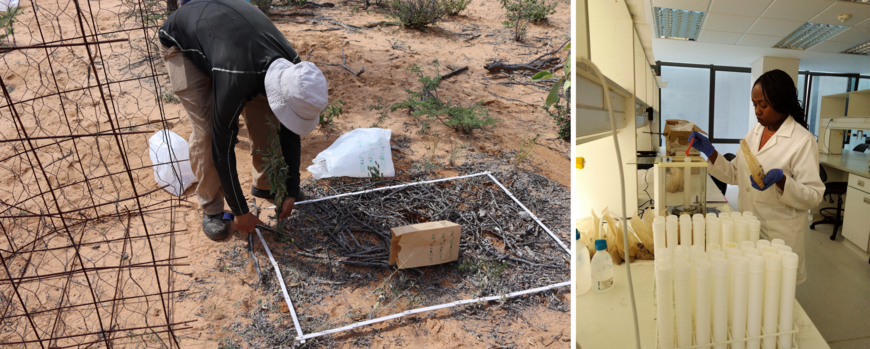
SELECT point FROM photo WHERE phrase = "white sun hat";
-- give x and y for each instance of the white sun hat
(297, 93)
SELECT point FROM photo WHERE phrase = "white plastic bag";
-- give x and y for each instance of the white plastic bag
(163, 160)
(5, 5)
(353, 153)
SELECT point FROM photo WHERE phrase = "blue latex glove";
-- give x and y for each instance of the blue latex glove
(772, 176)
(701, 143)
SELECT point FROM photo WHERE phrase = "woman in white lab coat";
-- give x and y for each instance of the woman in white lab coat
(789, 154)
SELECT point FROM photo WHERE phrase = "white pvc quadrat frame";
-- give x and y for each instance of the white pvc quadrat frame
(302, 337)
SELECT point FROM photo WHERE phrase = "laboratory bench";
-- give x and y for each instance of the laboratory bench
(604, 320)
(854, 168)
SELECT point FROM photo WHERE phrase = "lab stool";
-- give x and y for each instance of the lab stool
(831, 189)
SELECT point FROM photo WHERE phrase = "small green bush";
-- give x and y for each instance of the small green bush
(7, 18)
(333, 110)
(454, 7)
(562, 115)
(417, 13)
(520, 12)
(427, 104)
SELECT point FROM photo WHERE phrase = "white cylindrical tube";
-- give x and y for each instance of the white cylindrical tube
(699, 256)
(659, 236)
(702, 302)
(727, 231)
(665, 303)
(720, 302)
(683, 308)
(786, 299)
(782, 248)
(746, 244)
(736, 214)
(685, 231)
(739, 268)
(754, 230)
(775, 242)
(741, 231)
(731, 252)
(714, 229)
(696, 248)
(767, 250)
(728, 245)
(699, 230)
(672, 228)
(713, 247)
(750, 251)
(716, 254)
(754, 298)
(748, 214)
(772, 279)
(762, 243)
(687, 185)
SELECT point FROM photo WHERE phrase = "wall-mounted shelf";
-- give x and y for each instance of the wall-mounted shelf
(835, 106)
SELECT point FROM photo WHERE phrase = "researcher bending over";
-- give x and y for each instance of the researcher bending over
(225, 58)
(790, 155)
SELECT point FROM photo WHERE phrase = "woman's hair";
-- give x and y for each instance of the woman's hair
(779, 90)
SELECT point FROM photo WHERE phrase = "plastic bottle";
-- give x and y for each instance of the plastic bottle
(584, 268)
(602, 268)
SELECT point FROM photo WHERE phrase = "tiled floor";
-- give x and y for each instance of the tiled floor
(836, 295)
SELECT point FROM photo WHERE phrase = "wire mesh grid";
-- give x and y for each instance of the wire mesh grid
(87, 238)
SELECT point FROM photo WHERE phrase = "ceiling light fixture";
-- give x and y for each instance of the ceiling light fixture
(860, 49)
(809, 35)
(678, 24)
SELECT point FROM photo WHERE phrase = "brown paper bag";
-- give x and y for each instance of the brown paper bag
(425, 244)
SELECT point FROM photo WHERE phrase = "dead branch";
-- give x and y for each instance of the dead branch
(454, 73)
(534, 66)
(381, 24)
(511, 99)
(361, 70)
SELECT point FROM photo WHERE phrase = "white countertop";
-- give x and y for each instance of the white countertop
(850, 161)
(605, 320)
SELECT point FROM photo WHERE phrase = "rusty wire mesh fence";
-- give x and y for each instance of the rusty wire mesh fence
(87, 237)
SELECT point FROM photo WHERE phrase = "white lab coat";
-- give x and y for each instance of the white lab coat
(782, 213)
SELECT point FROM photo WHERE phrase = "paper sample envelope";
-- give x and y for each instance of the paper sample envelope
(424, 244)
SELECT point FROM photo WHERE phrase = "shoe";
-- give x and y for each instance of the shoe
(263, 194)
(215, 227)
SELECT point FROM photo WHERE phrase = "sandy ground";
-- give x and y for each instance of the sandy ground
(385, 53)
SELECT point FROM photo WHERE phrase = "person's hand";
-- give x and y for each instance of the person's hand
(701, 143)
(287, 208)
(772, 177)
(247, 222)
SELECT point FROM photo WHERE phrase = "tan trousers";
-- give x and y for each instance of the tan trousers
(194, 89)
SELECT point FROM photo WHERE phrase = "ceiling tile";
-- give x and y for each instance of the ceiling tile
(759, 40)
(794, 10)
(774, 27)
(727, 23)
(858, 11)
(752, 8)
(831, 46)
(864, 24)
(690, 5)
(715, 37)
(854, 35)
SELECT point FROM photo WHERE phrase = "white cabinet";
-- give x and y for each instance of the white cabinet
(856, 220)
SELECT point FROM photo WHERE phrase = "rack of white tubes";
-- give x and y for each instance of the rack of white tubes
(719, 286)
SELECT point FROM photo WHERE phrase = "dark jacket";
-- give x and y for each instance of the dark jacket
(233, 42)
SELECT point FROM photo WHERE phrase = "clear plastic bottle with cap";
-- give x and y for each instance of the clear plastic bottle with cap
(584, 268)
(602, 268)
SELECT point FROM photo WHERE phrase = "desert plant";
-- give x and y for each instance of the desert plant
(426, 103)
(561, 114)
(275, 168)
(333, 110)
(7, 18)
(520, 12)
(526, 149)
(417, 13)
(456, 152)
(375, 173)
(263, 5)
(383, 109)
(434, 139)
(454, 7)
